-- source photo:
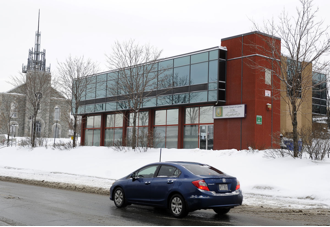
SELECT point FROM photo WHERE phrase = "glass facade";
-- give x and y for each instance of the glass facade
(319, 97)
(192, 78)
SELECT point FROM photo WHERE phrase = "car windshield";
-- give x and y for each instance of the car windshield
(202, 169)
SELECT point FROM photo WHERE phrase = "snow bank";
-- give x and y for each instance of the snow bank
(300, 183)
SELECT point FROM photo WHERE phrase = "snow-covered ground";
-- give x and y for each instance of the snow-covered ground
(281, 182)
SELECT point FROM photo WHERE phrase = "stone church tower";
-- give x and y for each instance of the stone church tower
(37, 94)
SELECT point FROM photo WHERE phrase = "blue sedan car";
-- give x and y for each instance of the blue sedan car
(181, 187)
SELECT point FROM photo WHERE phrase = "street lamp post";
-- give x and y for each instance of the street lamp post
(13, 132)
(55, 131)
(56, 118)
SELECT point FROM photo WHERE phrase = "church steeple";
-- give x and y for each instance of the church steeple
(37, 58)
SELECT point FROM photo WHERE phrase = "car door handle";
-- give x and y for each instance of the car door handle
(170, 181)
(147, 182)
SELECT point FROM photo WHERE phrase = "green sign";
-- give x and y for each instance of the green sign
(259, 120)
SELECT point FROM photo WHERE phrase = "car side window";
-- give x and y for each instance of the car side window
(168, 171)
(147, 172)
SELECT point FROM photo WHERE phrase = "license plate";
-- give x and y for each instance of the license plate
(223, 187)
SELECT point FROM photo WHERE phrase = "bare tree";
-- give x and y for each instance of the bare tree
(135, 77)
(304, 42)
(10, 106)
(74, 80)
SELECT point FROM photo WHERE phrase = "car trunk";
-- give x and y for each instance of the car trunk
(220, 184)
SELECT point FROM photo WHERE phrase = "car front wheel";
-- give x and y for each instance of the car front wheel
(119, 198)
(177, 206)
(221, 210)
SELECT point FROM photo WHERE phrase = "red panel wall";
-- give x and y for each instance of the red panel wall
(246, 85)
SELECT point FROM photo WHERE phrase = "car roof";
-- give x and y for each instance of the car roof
(176, 163)
(183, 162)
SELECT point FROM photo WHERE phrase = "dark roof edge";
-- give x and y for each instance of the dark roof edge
(250, 33)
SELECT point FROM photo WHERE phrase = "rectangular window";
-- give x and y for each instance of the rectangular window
(113, 130)
(171, 137)
(198, 128)
(142, 120)
(181, 61)
(149, 102)
(90, 108)
(190, 137)
(199, 73)
(166, 128)
(268, 77)
(90, 90)
(111, 106)
(101, 86)
(213, 71)
(214, 54)
(92, 132)
(164, 100)
(151, 81)
(181, 76)
(198, 96)
(165, 79)
(112, 88)
(199, 57)
(213, 95)
(99, 107)
(166, 64)
(181, 98)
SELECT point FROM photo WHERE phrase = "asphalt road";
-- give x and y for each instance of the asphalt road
(22, 204)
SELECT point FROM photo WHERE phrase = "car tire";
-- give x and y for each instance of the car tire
(221, 210)
(177, 206)
(119, 198)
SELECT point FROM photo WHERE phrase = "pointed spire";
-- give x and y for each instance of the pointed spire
(36, 58)
(38, 19)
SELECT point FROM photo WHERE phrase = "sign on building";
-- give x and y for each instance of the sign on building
(233, 111)
(259, 120)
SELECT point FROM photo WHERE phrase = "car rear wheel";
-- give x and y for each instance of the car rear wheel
(119, 198)
(221, 210)
(177, 206)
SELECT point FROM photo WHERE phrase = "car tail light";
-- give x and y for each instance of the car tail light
(200, 184)
(238, 186)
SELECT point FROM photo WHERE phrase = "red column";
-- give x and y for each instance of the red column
(151, 124)
(103, 120)
(82, 133)
(181, 126)
(125, 121)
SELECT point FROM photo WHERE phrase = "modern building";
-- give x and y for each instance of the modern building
(54, 109)
(216, 100)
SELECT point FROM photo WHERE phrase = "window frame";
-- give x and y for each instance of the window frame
(167, 125)
(93, 129)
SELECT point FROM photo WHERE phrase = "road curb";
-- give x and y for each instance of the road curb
(58, 185)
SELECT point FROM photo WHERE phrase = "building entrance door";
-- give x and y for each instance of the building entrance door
(206, 137)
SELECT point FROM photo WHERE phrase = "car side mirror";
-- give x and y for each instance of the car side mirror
(133, 177)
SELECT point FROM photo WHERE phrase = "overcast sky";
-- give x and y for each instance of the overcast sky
(90, 28)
